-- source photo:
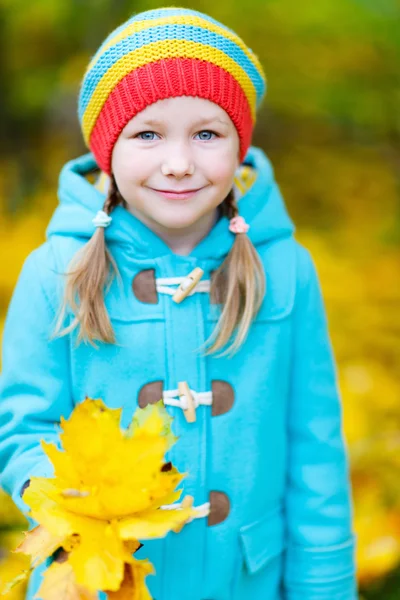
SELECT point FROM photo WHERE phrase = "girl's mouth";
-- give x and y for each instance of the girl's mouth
(177, 195)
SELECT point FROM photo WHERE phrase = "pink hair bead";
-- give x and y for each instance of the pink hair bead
(238, 225)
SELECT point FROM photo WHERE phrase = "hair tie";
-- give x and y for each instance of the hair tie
(102, 219)
(238, 225)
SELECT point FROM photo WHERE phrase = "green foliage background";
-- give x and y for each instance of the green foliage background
(331, 126)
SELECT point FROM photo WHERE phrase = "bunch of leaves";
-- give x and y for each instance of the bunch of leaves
(107, 494)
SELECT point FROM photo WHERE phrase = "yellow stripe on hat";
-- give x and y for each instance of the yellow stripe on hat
(156, 51)
(136, 26)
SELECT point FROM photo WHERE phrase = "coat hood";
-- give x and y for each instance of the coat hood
(79, 200)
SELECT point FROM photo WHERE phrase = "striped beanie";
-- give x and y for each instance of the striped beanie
(165, 53)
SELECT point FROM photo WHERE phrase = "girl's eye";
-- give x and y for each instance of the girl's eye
(148, 139)
(207, 132)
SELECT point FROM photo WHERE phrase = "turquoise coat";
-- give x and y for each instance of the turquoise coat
(266, 449)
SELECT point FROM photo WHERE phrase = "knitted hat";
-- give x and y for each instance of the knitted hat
(161, 54)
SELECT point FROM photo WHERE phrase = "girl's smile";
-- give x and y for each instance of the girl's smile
(177, 195)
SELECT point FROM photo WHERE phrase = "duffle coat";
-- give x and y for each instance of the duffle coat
(266, 449)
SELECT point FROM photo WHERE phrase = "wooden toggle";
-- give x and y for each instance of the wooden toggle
(188, 284)
(190, 412)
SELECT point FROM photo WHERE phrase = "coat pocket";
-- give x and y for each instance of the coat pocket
(260, 562)
(263, 540)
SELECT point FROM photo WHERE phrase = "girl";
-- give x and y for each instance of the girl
(184, 282)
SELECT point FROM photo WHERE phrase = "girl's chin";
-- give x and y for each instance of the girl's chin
(177, 226)
(179, 220)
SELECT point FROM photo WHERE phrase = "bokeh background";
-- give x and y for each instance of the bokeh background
(331, 127)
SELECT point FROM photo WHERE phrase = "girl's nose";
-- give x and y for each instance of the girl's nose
(178, 162)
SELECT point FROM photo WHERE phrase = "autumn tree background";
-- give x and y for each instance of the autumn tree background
(331, 127)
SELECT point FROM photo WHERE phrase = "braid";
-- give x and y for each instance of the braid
(229, 207)
(89, 276)
(238, 285)
(114, 198)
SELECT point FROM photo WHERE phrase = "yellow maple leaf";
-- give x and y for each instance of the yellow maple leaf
(97, 554)
(98, 561)
(44, 499)
(108, 484)
(133, 585)
(59, 584)
(153, 523)
(131, 546)
(39, 543)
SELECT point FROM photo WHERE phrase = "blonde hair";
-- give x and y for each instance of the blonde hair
(238, 285)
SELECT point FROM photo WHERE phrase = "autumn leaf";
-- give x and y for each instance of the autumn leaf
(59, 584)
(147, 421)
(113, 484)
(153, 524)
(131, 546)
(98, 561)
(39, 544)
(133, 585)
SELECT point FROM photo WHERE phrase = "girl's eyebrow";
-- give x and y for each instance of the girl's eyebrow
(205, 121)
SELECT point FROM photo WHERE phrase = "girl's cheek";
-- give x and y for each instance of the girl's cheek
(133, 165)
(226, 158)
(221, 169)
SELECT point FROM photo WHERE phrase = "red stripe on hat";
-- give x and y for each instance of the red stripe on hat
(168, 78)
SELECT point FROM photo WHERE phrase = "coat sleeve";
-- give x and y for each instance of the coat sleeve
(35, 380)
(319, 558)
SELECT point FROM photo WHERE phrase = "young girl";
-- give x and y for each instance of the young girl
(184, 282)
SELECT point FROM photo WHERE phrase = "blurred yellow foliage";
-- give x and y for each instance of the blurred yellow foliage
(361, 300)
(12, 522)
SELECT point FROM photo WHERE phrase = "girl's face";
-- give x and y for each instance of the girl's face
(175, 145)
